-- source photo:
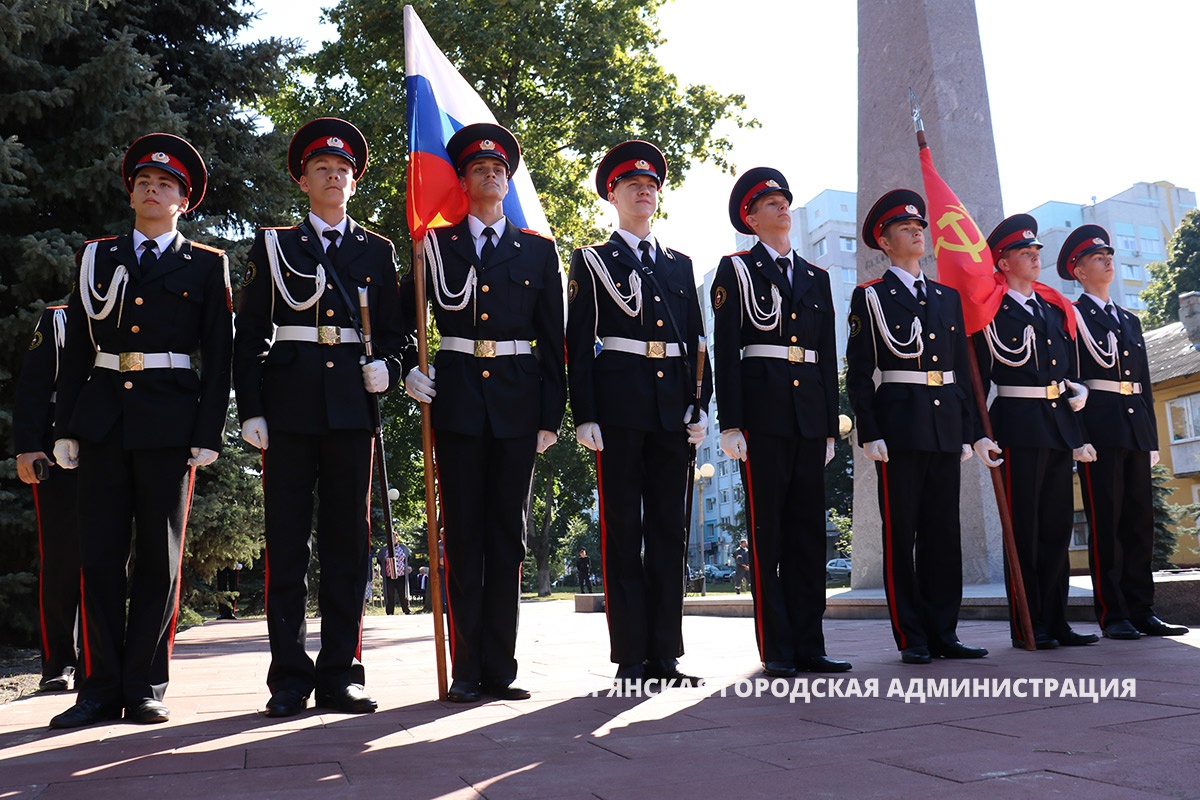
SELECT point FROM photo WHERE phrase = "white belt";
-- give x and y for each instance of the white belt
(1116, 387)
(1051, 392)
(136, 362)
(640, 348)
(934, 377)
(796, 355)
(320, 334)
(486, 348)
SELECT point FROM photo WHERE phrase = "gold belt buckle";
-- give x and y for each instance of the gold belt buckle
(1052, 392)
(656, 349)
(485, 348)
(1126, 387)
(132, 362)
(933, 377)
(329, 334)
(796, 354)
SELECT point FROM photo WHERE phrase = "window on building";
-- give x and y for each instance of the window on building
(849, 275)
(1131, 272)
(709, 504)
(844, 207)
(723, 468)
(820, 248)
(1079, 531)
(1124, 236)
(1135, 302)
(1149, 240)
(724, 495)
(847, 243)
(1183, 416)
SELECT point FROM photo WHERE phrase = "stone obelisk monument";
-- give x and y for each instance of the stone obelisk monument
(933, 47)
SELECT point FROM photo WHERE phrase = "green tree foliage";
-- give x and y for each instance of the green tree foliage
(570, 79)
(1179, 274)
(1166, 515)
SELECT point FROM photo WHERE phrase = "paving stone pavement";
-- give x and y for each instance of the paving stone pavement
(573, 740)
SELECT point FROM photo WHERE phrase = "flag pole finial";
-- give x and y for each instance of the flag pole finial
(918, 123)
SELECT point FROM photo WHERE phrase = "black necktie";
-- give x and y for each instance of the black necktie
(920, 287)
(647, 260)
(1035, 308)
(785, 267)
(332, 249)
(149, 255)
(1108, 309)
(488, 248)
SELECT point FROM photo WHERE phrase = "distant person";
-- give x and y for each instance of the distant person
(741, 567)
(395, 577)
(583, 566)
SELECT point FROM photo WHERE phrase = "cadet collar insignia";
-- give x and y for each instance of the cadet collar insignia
(572, 290)
(719, 297)
(855, 325)
(37, 340)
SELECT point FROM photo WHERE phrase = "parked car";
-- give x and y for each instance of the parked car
(714, 572)
(837, 569)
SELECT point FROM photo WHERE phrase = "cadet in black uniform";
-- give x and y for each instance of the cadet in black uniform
(54, 500)
(136, 417)
(1028, 353)
(1118, 422)
(776, 378)
(917, 424)
(303, 383)
(633, 329)
(500, 396)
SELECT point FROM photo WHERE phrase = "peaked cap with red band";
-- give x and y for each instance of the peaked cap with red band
(895, 206)
(170, 154)
(483, 140)
(327, 136)
(754, 183)
(1083, 240)
(1019, 230)
(627, 159)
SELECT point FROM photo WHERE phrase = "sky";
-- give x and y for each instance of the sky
(1087, 97)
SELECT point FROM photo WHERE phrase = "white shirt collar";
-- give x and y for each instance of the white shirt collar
(771, 252)
(320, 226)
(1023, 299)
(1101, 303)
(634, 241)
(163, 242)
(908, 279)
(476, 226)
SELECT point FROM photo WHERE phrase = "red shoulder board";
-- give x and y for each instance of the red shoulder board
(870, 283)
(280, 228)
(740, 253)
(209, 248)
(100, 239)
(55, 308)
(537, 233)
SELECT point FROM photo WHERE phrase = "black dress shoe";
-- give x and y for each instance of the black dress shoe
(1072, 639)
(1121, 629)
(1041, 641)
(286, 703)
(147, 712)
(502, 692)
(822, 664)
(1153, 626)
(349, 699)
(916, 655)
(463, 692)
(629, 676)
(956, 650)
(778, 669)
(56, 683)
(667, 671)
(85, 712)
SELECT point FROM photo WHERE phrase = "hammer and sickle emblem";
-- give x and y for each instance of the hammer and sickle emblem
(952, 219)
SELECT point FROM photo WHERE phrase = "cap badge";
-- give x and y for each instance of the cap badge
(910, 209)
(487, 144)
(334, 141)
(1028, 234)
(641, 163)
(774, 184)
(1097, 240)
(160, 157)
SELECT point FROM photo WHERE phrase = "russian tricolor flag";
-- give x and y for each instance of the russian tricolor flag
(441, 102)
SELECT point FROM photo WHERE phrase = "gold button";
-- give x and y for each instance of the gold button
(660, 373)
(657, 299)
(793, 315)
(483, 315)
(287, 274)
(128, 384)
(134, 329)
(329, 286)
(1131, 411)
(659, 323)
(951, 327)
(935, 358)
(329, 364)
(1054, 362)
(185, 294)
(933, 336)
(795, 383)
(487, 374)
(138, 300)
(1054, 405)
(329, 312)
(793, 338)
(1126, 352)
(1049, 342)
(486, 288)
(937, 402)
(526, 283)
(1126, 372)
(368, 279)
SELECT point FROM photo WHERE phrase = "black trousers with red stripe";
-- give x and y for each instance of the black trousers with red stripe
(56, 500)
(1118, 501)
(1040, 499)
(126, 655)
(484, 483)
(642, 478)
(922, 547)
(334, 469)
(785, 489)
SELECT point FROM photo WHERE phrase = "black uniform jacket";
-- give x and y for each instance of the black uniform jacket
(182, 306)
(33, 406)
(1025, 422)
(1111, 419)
(624, 389)
(519, 297)
(304, 387)
(774, 395)
(936, 419)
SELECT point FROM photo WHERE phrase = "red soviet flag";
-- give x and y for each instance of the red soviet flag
(964, 260)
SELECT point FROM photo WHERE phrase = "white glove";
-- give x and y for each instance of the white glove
(419, 386)
(254, 431)
(967, 454)
(375, 377)
(828, 451)
(545, 439)
(1079, 395)
(876, 450)
(202, 457)
(588, 435)
(984, 448)
(1085, 453)
(733, 444)
(696, 430)
(1153, 458)
(66, 453)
